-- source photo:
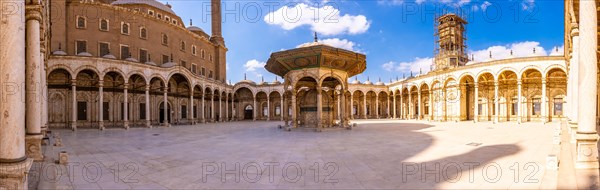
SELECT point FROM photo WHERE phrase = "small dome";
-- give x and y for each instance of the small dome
(248, 81)
(368, 82)
(85, 54)
(151, 63)
(195, 29)
(379, 83)
(168, 65)
(59, 52)
(152, 3)
(109, 56)
(355, 81)
(131, 59)
(276, 82)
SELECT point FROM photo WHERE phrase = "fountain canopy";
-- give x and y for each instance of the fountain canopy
(316, 55)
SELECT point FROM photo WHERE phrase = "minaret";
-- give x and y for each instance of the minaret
(216, 19)
(450, 42)
(217, 40)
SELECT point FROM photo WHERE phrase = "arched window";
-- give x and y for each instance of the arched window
(143, 33)
(165, 39)
(124, 28)
(193, 50)
(182, 48)
(81, 22)
(104, 24)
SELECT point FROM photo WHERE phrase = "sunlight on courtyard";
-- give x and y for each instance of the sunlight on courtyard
(258, 155)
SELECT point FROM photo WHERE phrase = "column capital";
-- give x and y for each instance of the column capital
(101, 83)
(147, 88)
(33, 12)
(73, 82)
(543, 80)
(126, 86)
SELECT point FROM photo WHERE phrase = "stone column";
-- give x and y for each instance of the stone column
(343, 114)
(268, 107)
(191, 108)
(294, 114)
(101, 105)
(281, 108)
(410, 111)
(574, 68)
(74, 104)
(165, 107)
(33, 137)
(227, 107)
(319, 109)
(220, 108)
(148, 123)
(419, 109)
(365, 107)
(430, 105)
(587, 137)
(544, 101)
(387, 108)
(519, 101)
(401, 107)
(44, 101)
(14, 165)
(212, 109)
(496, 101)
(202, 108)
(126, 106)
(255, 108)
(377, 105)
(339, 98)
(352, 106)
(476, 103)
(394, 96)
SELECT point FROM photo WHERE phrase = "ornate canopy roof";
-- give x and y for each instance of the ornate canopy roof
(316, 55)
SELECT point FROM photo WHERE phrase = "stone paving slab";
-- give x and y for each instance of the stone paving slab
(378, 154)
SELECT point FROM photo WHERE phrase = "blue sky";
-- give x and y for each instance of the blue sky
(396, 35)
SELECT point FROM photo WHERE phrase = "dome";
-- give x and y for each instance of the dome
(167, 65)
(355, 81)
(368, 82)
(152, 3)
(109, 56)
(379, 83)
(195, 29)
(247, 81)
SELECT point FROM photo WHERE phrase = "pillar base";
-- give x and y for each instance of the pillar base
(573, 132)
(74, 126)
(126, 124)
(14, 175)
(101, 125)
(587, 151)
(148, 124)
(33, 146)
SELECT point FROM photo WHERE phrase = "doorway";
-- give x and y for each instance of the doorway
(248, 112)
(162, 113)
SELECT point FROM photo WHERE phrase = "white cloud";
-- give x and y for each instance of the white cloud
(417, 65)
(252, 65)
(519, 49)
(392, 2)
(338, 43)
(528, 4)
(325, 20)
(462, 2)
(485, 5)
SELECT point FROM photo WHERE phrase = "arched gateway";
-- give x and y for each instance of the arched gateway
(316, 75)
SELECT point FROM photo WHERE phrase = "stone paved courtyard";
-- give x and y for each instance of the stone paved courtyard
(250, 155)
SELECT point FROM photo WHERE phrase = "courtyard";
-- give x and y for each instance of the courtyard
(376, 154)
